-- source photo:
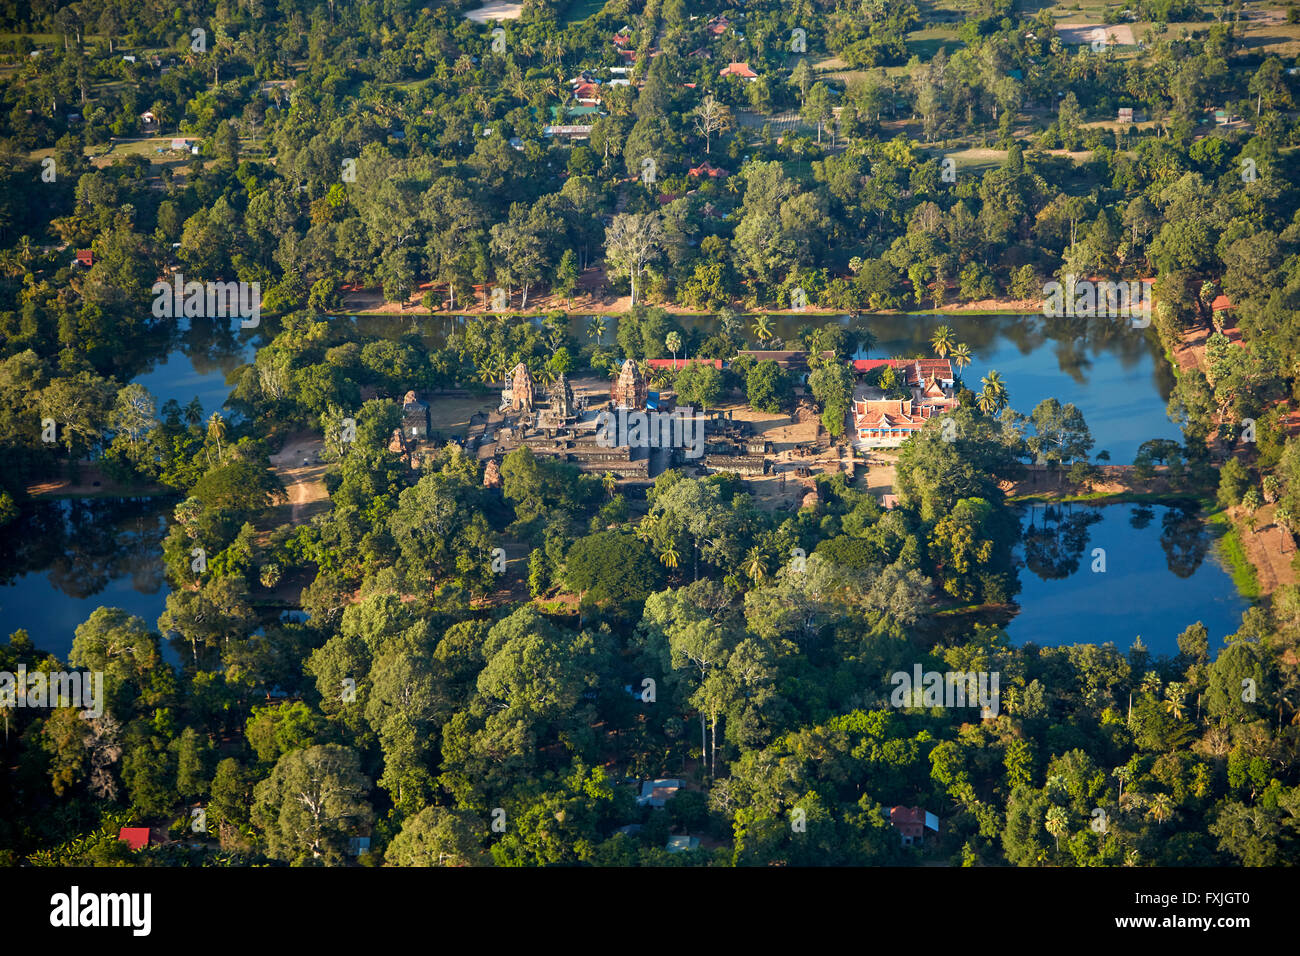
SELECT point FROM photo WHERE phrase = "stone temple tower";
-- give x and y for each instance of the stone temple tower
(630, 391)
(521, 389)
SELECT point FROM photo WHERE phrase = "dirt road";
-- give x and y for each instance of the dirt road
(305, 483)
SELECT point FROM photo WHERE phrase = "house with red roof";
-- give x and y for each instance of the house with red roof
(916, 371)
(137, 838)
(588, 94)
(882, 421)
(705, 169)
(741, 70)
(719, 25)
(85, 257)
(913, 823)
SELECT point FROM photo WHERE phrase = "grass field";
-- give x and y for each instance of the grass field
(1234, 555)
(579, 10)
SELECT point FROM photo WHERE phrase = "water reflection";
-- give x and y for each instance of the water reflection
(1053, 546)
(1096, 573)
(196, 357)
(69, 557)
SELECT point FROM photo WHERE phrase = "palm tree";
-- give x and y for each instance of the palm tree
(762, 328)
(1057, 823)
(492, 370)
(673, 343)
(994, 396)
(866, 338)
(1161, 807)
(1174, 694)
(756, 565)
(193, 412)
(668, 555)
(1122, 774)
(596, 328)
(217, 431)
(942, 341)
(609, 482)
(10, 264)
(960, 355)
(1282, 515)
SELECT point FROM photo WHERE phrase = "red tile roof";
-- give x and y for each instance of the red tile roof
(738, 69)
(1221, 302)
(910, 821)
(705, 169)
(137, 838)
(918, 371)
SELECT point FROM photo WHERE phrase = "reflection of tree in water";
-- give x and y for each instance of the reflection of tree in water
(215, 345)
(1141, 516)
(1070, 344)
(1184, 540)
(211, 345)
(87, 543)
(1055, 544)
(32, 542)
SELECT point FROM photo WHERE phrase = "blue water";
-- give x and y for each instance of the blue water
(1162, 574)
(73, 556)
(202, 363)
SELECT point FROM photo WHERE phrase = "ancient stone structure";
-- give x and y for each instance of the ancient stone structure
(521, 390)
(630, 391)
(415, 418)
(562, 406)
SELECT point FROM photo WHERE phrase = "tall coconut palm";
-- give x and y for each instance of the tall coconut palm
(1122, 774)
(960, 355)
(596, 328)
(1161, 807)
(193, 412)
(942, 341)
(673, 343)
(993, 398)
(866, 339)
(668, 555)
(217, 432)
(609, 483)
(1282, 515)
(1174, 694)
(762, 328)
(1057, 824)
(756, 565)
